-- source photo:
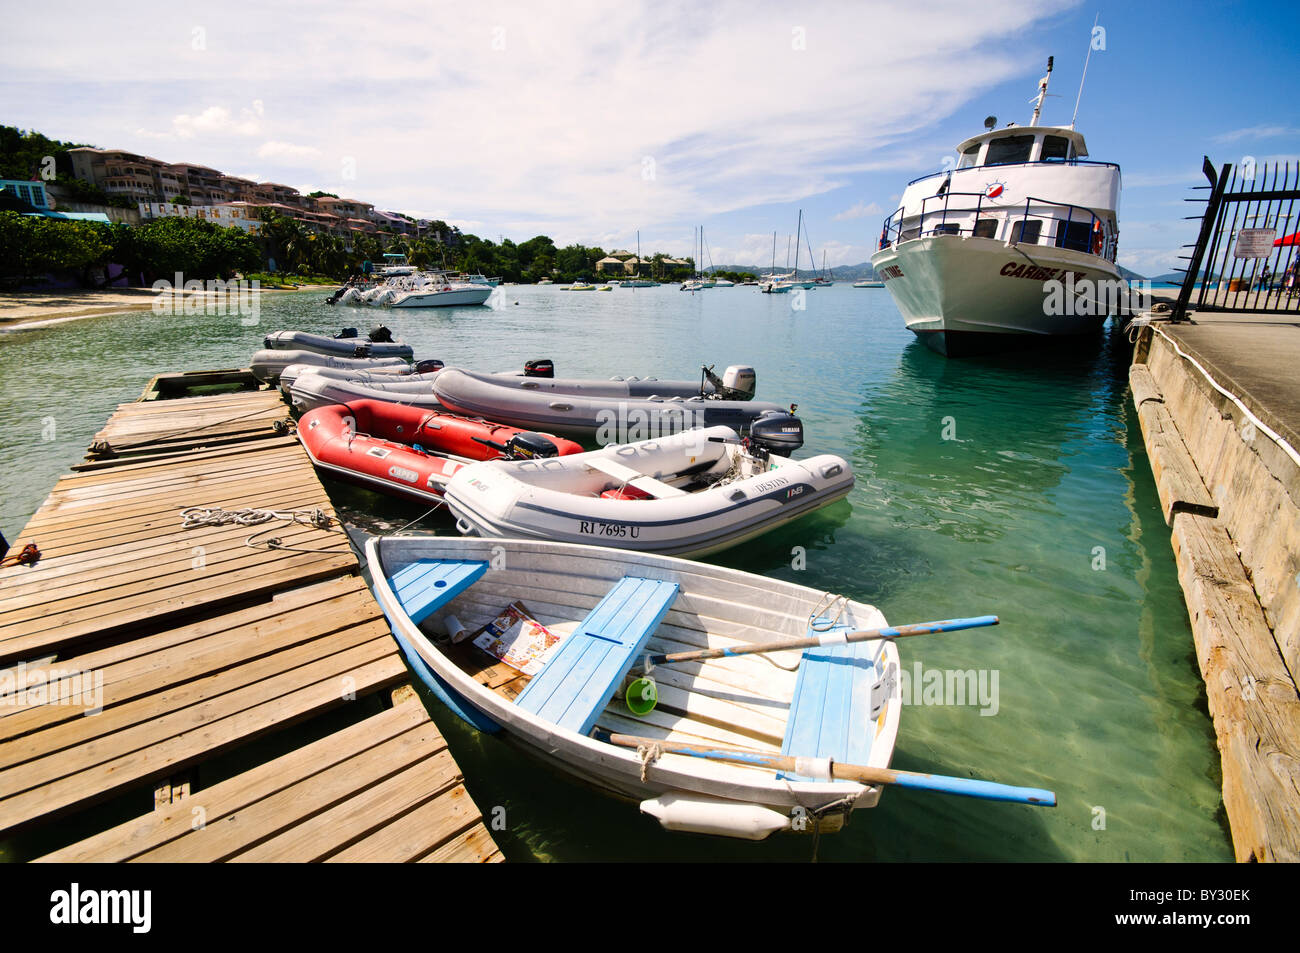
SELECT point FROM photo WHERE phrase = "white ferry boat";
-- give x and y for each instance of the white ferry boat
(972, 253)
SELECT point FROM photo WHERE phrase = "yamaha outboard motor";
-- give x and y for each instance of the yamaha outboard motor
(346, 333)
(428, 367)
(539, 368)
(776, 432)
(381, 335)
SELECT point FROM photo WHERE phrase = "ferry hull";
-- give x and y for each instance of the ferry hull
(963, 295)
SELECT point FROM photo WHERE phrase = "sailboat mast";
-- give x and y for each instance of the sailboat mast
(797, 234)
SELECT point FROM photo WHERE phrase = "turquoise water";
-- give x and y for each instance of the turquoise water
(1016, 486)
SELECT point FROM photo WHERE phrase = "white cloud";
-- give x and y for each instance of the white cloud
(861, 210)
(1257, 132)
(216, 121)
(287, 152)
(506, 112)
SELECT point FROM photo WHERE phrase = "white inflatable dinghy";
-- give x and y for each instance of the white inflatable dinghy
(687, 494)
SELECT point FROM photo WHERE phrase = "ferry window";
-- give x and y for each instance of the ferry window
(969, 157)
(986, 228)
(1055, 147)
(908, 234)
(947, 228)
(1009, 149)
(1027, 232)
(1075, 235)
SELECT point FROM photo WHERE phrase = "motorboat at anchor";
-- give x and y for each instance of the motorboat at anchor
(974, 256)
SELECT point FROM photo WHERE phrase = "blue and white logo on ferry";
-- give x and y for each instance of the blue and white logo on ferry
(995, 190)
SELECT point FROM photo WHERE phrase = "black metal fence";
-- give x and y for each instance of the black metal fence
(1247, 255)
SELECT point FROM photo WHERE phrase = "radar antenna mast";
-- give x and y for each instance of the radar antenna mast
(1042, 93)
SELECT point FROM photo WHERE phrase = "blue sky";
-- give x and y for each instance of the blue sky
(589, 121)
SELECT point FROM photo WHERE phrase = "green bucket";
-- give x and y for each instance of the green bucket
(642, 696)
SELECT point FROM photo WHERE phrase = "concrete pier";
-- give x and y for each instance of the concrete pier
(1219, 405)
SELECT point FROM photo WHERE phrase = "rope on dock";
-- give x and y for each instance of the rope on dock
(193, 517)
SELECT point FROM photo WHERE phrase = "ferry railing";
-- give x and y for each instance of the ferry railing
(899, 227)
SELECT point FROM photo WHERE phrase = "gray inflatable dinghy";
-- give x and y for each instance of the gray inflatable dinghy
(269, 365)
(606, 411)
(338, 347)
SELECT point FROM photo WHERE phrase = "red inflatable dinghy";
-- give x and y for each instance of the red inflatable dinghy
(412, 452)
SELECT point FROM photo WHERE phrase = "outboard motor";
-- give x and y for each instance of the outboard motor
(524, 446)
(740, 382)
(737, 382)
(539, 368)
(428, 367)
(346, 333)
(379, 335)
(776, 432)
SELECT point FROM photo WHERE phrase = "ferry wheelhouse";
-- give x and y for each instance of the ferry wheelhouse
(971, 253)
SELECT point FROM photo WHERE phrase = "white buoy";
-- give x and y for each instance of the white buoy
(703, 815)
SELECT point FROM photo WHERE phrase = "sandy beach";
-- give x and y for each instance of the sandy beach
(34, 308)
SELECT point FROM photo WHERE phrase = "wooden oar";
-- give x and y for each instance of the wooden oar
(832, 637)
(966, 787)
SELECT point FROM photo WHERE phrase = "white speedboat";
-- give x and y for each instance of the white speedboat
(868, 283)
(989, 255)
(433, 290)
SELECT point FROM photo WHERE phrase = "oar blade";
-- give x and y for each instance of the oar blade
(973, 787)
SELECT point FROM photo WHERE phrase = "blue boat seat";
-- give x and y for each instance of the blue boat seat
(831, 711)
(426, 585)
(577, 681)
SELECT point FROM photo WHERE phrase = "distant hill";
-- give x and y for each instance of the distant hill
(838, 272)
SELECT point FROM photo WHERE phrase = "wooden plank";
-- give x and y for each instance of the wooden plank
(425, 586)
(215, 653)
(299, 822)
(204, 740)
(581, 674)
(386, 815)
(1251, 695)
(277, 571)
(255, 785)
(417, 832)
(474, 846)
(287, 602)
(66, 748)
(1178, 482)
(1143, 385)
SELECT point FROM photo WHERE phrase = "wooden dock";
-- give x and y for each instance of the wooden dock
(1217, 405)
(139, 651)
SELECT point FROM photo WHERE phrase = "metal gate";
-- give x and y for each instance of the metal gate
(1247, 255)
